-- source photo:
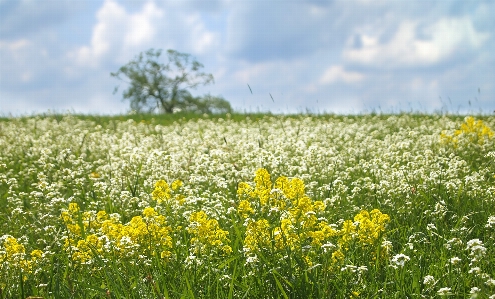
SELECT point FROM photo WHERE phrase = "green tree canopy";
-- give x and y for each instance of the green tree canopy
(164, 88)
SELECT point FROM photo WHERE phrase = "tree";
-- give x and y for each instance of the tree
(151, 89)
(208, 104)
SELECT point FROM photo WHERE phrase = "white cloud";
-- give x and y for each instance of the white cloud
(201, 40)
(441, 41)
(270, 72)
(118, 32)
(141, 28)
(338, 74)
(14, 45)
(16, 58)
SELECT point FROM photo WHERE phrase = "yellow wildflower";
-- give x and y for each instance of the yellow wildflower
(149, 212)
(207, 233)
(245, 208)
(161, 191)
(73, 208)
(176, 185)
(285, 235)
(257, 235)
(471, 130)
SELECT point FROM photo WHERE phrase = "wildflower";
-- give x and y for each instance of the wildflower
(476, 129)
(431, 226)
(327, 246)
(73, 208)
(453, 242)
(455, 260)
(149, 212)
(285, 235)
(490, 282)
(94, 175)
(176, 185)
(263, 185)
(470, 131)
(444, 291)
(348, 231)
(161, 192)
(429, 281)
(322, 232)
(474, 292)
(490, 222)
(474, 270)
(292, 189)
(165, 254)
(257, 235)
(207, 233)
(370, 225)
(13, 255)
(36, 254)
(252, 259)
(399, 260)
(245, 208)
(350, 268)
(192, 260)
(476, 248)
(386, 246)
(337, 256)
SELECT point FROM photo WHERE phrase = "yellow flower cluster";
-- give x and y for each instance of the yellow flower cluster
(163, 192)
(473, 131)
(286, 218)
(207, 234)
(258, 236)
(103, 234)
(367, 227)
(296, 222)
(13, 256)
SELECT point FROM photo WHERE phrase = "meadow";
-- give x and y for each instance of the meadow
(252, 206)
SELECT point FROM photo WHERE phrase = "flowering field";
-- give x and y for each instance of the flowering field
(277, 207)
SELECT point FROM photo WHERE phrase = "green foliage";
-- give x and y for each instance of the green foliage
(164, 88)
(208, 104)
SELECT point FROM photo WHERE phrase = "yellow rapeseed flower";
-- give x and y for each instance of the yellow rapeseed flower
(207, 233)
(245, 208)
(13, 256)
(176, 185)
(285, 235)
(73, 208)
(263, 185)
(257, 235)
(161, 192)
(471, 130)
(370, 225)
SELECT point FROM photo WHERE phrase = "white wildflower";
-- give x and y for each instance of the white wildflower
(490, 222)
(474, 292)
(431, 226)
(474, 270)
(490, 282)
(444, 291)
(453, 242)
(455, 260)
(399, 260)
(429, 281)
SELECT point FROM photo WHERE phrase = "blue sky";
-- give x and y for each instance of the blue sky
(336, 56)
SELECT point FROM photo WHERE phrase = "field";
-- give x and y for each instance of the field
(261, 206)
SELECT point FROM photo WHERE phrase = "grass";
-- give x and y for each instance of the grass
(247, 206)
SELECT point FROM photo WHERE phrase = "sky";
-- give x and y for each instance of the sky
(318, 56)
